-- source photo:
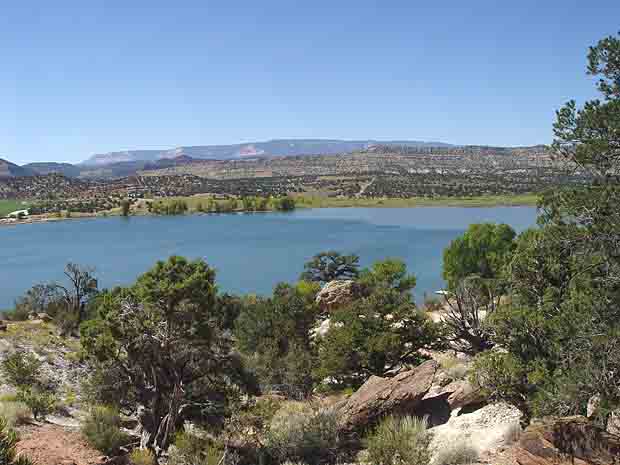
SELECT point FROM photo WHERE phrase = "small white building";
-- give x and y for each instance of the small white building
(19, 214)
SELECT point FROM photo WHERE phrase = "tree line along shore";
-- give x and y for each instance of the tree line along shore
(38, 212)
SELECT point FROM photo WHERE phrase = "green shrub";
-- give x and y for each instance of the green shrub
(41, 403)
(21, 369)
(400, 441)
(15, 413)
(300, 432)
(501, 376)
(459, 453)
(105, 385)
(102, 430)
(8, 441)
(190, 449)
(252, 419)
(142, 457)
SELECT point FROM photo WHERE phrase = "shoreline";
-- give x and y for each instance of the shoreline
(517, 200)
(302, 203)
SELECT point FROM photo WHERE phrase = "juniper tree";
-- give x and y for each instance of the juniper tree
(168, 336)
(562, 330)
(329, 266)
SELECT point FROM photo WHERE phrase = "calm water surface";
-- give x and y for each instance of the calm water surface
(251, 252)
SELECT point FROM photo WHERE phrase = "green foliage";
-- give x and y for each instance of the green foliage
(604, 61)
(472, 301)
(400, 441)
(275, 335)
(377, 332)
(558, 292)
(329, 266)
(8, 442)
(142, 457)
(252, 419)
(561, 329)
(304, 433)
(125, 207)
(102, 430)
(501, 376)
(262, 204)
(248, 204)
(41, 298)
(285, 204)
(387, 274)
(193, 449)
(169, 207)
(41, 402)
(483, 250)
(107, 384)
(169, 330)
(542, 270)
(21, 369)
(459, 453)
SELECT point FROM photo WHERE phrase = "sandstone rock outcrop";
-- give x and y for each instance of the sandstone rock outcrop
(383, 396)
(423, 391)
(336, 294)
(485, 430)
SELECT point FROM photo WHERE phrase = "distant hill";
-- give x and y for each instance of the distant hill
(42, 168)
(11, 170)
(130, 168)
(278, 147)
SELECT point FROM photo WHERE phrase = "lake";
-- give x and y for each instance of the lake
(251, 252)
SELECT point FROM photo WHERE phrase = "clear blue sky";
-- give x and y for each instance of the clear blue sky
(81, 77)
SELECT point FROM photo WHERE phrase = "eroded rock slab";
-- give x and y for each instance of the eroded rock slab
(379, 397)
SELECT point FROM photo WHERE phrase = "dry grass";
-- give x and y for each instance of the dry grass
(454, 367)
(400, 440)
(482, 201)
(42, 337)
(15, 413)
(459, 453)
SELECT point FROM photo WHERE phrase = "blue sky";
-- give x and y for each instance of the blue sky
(81, 77)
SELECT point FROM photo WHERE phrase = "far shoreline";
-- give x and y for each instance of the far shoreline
(305, 202)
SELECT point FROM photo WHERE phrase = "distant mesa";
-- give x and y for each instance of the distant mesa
(250, 151)
(119, 157)
(272, 148)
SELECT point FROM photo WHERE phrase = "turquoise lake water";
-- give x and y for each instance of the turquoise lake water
(251, 252)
